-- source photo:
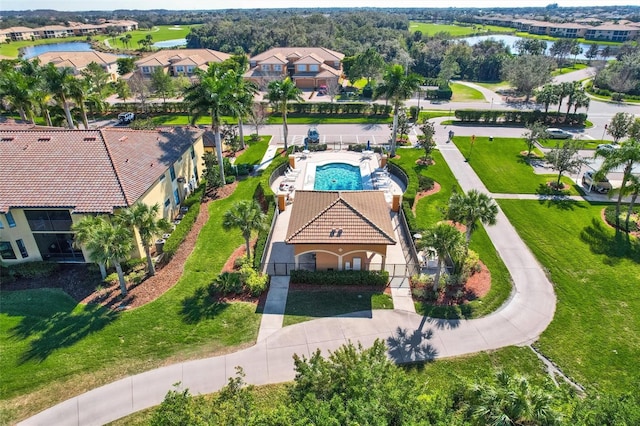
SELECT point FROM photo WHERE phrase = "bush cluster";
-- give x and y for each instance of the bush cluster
(610, 217)
(246, 280)
(183, 228)
(520, 117)
(243, 169)
(362, 278)
(28, 270)
(362, 147)
(339, 108)
(425, 183)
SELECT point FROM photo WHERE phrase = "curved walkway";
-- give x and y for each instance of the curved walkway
(489, 95)
(410, 337)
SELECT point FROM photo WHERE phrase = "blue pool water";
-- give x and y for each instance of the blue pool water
(338, 177)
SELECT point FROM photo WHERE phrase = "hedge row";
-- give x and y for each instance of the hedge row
(28, 270)
(359, 278)
(412, 185)
(410, 217)
(520, 117)
(345, 108)
(188, 219)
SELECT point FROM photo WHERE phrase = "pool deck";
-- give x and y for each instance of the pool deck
(307, 163)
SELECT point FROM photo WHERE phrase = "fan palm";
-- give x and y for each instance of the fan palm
(60, 82)
(396, 87)
(247, 216)
(145, 220)
(280, 93)
(17, 90)
(84, 230)
(470, 208)
(446, 241)
(211, 95)
(109, 243)
(241, 100)
(626, 156)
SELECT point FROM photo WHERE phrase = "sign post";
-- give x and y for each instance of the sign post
(473, 141)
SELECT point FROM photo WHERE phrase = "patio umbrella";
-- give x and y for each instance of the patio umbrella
(368, 146)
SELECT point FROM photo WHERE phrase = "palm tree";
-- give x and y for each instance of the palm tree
(626, 156)
(280, 92)
(84, 233)
(17, 90)
(241, 101)
(109, 243)
(145, 220)
(446, 241)
(470, 208)
(78, 91)
(547, 96)
(562, 90)
(396, 87)
(59, 82)
(580, 100)
(247, 216)
(210, 94)
(510, 400)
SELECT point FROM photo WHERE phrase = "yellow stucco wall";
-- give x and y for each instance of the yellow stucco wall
(327, 255)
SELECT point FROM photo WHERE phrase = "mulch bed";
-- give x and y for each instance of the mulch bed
(612, 226)
(477, 286)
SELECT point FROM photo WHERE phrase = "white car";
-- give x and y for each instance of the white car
(554, 133)
(601, 185)
(605, 148)
(126, 117)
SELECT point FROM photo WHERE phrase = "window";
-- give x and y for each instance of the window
(314, 67)
(277, 67)
(10, 221)
(266, 67)
(162, 177)
(180, 69)
(146, 70)
(167, 203)
(193, 152)
(1, 225)
(48, 220)
(172, 172)
(176, 196)
(6, 251)
(22, 248)
(302, 67)
(190, 69)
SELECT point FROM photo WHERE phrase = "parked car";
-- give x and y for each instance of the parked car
(601, 185)
(558, 133)
(605, 148)
(126, 117)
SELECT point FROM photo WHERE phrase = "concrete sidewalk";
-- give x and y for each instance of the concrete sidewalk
(410, 337)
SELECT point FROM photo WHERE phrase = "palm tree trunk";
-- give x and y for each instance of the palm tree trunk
(240, 132)
(23, 115)
(67, 112)
(103, 270)
(436, 279)
(394, 132)
(123, 283)
(248, 246)
(634, 197)
(218, 142)
(47, 117)
(625, 177)
(469, 229)
(285, 129)
(151, 269)
(85, 121)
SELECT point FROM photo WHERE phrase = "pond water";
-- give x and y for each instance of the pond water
(76, 46)
(171, 43)
(510, 40)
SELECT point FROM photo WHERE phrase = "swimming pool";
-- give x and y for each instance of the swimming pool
(338, 177)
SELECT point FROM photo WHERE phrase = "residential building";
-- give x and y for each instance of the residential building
(59, 31)
(610, 32)
(77, 61)
(308, 67)
(340, 230)
(176, 62)
(4, 36)
(22, 33)
(55, 31)
(51, 179)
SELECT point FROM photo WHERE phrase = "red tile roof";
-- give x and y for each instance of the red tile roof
(345, 217)
(90, 171)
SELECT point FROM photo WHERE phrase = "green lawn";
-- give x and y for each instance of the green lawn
(329, 119)
(594, 335)
(587, 143)
(303, 305)
(462, 93)
(54, 348)
(254, 152)
(494, 85)
(159, 33)
(566, 70)
(433, 114)
(502, 168)
(429, 212)
(456, 30)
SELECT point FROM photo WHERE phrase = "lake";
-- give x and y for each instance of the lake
(510, 40)
(76, 46)
(179, 42)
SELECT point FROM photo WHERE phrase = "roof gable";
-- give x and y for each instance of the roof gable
(345, 217)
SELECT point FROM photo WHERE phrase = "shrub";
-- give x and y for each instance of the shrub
(425, 183)
(617, 97)
(426, 294)
(362, 278)
(133, 264)
(111, 279)
(226, 283)
(254, 137)
(30, 270)
(317, 147)
(229, 179)
(253, 281)
(410, 217)
(472, 263)
(240, 262)
(183, 228)
(610, 217)
(361, 147)
(135, 277)
(243, 169)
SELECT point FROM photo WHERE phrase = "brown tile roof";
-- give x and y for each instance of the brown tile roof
(325, 54)
(200, 56)
(90, 171)
(346, 217)
(77, 60)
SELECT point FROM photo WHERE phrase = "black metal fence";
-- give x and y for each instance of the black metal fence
(395, 270)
